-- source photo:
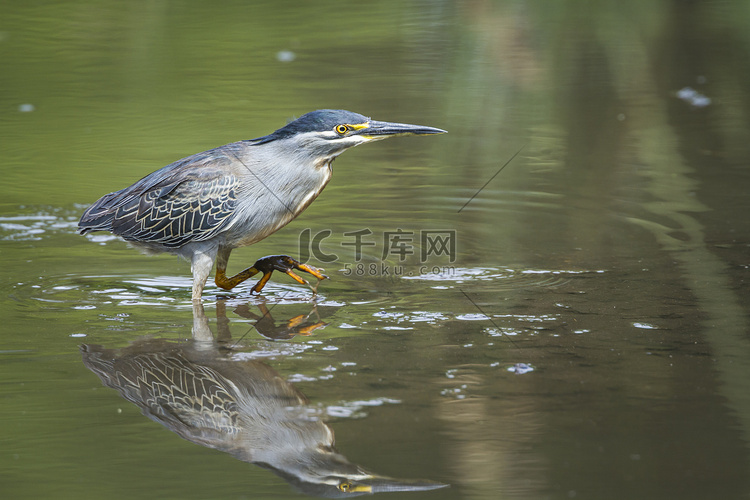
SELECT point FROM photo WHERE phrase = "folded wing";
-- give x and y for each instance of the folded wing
(190, 200)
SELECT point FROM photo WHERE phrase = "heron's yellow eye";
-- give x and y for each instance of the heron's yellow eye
(342, 129)
(344, 486)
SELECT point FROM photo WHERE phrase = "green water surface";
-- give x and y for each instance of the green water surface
(588, 337)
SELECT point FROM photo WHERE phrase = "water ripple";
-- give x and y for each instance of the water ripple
(33, 226)
(93, 291)
(505, 278)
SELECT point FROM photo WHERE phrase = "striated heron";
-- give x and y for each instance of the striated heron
(205, 205)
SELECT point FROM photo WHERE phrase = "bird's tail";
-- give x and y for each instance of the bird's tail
(100, 215)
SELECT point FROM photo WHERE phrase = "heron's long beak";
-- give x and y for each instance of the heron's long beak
(381, 484)
(381, 130)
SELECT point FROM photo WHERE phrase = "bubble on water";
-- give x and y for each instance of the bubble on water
(426, 316)
(375, 402)
(700, 101)
(499, 332)
(413, 317)
(693, 97)
(472, 317)
(325, 303)
(285, 56)
(388, 315)
(520, 368)
(272, 351)
(341, 412)
(12, 227)
(354, 409)
(686, 93)
(299, 377)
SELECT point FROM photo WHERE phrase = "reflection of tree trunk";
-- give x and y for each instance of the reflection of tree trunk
(673, 187)
(494, 454)
(604, 183)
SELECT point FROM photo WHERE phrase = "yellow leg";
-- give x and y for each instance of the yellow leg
(262, 282)
(222, 281)
(266, 265)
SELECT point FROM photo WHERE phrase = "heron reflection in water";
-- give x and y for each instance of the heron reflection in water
(241, 407)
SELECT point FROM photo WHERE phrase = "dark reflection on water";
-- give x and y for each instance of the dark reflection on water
(266, 326)
(206, 394)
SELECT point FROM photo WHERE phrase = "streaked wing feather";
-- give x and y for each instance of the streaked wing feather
(190, 200)
(193, 400)
(191, 210)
